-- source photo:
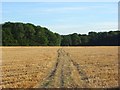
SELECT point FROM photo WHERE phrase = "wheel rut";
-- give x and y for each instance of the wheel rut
(65, 74)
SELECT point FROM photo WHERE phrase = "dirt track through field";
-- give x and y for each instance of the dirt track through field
(65, 73)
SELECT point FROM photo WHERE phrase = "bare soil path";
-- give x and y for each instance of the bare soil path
(65, 74)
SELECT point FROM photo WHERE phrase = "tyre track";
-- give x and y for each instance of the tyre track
(65, 73)
(50, 77)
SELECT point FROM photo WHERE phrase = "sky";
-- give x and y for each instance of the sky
(64, 17)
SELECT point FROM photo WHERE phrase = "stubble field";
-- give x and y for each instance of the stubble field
(57, 67)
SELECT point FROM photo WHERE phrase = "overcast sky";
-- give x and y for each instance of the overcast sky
(64, 17)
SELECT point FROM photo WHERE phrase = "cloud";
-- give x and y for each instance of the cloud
(106, 9)
(45, 10)
(57, 9)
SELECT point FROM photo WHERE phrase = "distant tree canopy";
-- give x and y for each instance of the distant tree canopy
(20, 34)
(111, 38)
(28, 35)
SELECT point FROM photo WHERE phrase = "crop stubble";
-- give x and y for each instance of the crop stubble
(51, 67)
(24, 67)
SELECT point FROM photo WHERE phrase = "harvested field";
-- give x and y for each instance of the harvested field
(25, 67)
(59, 67)
(100, 64)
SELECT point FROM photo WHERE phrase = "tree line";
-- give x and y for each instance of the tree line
(110, 38)
(21, 34)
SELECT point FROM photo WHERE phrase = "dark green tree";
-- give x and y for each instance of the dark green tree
(66, 40)
(75, 39)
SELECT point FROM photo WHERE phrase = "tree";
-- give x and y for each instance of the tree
(75, 39)
(52, 39)
(66, 40)
(84, 39)
(58, 39)
(29, 33)
(40, 37)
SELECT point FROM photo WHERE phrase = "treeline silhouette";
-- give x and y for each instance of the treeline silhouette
(21, 34)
